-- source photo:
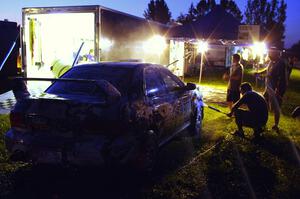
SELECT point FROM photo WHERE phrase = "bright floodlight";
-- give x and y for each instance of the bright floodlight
(202, 46)
(259, 48)
(156, 45)
(245, 54)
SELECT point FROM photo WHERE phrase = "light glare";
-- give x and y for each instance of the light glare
(202, 46)
(245, 54)
(259, 49)
(155, 45)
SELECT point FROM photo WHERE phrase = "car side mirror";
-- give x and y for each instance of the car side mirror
(190, 86)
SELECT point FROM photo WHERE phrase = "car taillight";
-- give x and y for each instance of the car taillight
(17, 120)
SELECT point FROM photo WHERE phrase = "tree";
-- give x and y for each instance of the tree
(295, 49)
(231, 7)
(205, 6)
(271, 16)
(201, 8)
(182, 18)
(158, 11)
(188, 18)
(279, 31)
(211, 4)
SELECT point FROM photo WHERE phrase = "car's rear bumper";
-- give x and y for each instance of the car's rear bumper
(87, 150)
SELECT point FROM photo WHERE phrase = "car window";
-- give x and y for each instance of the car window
(153, 82)
(75, 88)
(171, 81)
(119, 77)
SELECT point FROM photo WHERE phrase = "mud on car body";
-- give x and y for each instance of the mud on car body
(119, 113)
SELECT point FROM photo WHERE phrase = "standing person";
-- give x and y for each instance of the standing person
(257, 115)
(235, 80)
(292, 60)
(20, 90)
(275, 85)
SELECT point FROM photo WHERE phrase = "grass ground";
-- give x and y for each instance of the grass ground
(239, 168)
(217, 166)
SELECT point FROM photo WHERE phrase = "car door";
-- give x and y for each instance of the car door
(181, 97)
(162, 104)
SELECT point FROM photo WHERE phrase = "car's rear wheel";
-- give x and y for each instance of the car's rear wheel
(148, 153)
(196, 122)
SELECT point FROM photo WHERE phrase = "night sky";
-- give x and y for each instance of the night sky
(11, 9)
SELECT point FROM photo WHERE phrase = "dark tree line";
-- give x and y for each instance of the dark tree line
(295, 49)
(269, 14)
(194, 13)
(158, 11)
(205, 6)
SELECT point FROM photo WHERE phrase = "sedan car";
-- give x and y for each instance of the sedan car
(104, 113)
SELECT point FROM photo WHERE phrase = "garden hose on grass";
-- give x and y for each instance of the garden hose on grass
(198, 156)
(215, 109)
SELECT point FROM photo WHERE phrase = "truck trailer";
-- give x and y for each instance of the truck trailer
(52, 36)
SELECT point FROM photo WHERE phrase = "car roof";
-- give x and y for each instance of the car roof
(129, 65)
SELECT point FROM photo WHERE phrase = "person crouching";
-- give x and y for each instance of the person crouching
(255, 117)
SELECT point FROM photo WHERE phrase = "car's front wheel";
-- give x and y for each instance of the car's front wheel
(196, 122)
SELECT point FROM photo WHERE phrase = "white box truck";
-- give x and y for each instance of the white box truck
(51, 36)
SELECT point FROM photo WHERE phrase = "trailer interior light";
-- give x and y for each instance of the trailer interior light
(259, 49)
(246, 54)
(155, 45)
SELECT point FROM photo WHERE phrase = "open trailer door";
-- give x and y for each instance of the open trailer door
(53, 36)
(9, 53)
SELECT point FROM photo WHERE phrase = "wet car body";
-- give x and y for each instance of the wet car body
(120, 115)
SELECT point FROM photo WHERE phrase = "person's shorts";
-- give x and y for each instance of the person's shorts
(232, 96)
(248, 119)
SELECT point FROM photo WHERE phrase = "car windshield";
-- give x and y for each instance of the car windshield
(119, 77)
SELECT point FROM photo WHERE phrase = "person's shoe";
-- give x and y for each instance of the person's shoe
(239, 134)
(258, 132)
(275, 128)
